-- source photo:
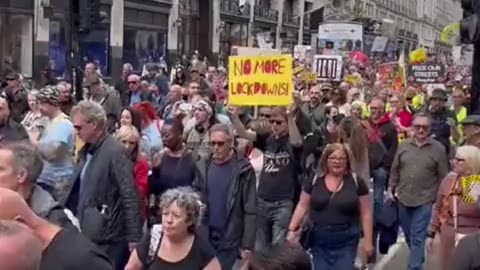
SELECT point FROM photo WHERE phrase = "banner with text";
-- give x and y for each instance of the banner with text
(426, 73)
(262, 80)
(328, 67)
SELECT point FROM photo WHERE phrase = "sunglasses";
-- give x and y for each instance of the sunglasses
(276, 122)
(419, 127)
(216, 143)
(436, 99)
(264, 115)
(132, 82)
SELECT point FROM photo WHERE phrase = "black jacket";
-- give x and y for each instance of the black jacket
(108, 185)
(240, 229)
(12, 131)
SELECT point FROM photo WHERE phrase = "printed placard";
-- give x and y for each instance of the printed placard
(328, 67)
(427, 73)
(262, 80)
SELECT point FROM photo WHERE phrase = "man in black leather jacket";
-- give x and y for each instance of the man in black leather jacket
(103, 196)
(227, 185)
(23, 157)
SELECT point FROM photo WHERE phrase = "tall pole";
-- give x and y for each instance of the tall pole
(475, 89)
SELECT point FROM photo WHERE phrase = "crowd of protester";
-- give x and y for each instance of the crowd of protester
(163, 173)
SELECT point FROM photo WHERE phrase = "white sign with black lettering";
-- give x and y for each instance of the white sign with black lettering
(328, 67)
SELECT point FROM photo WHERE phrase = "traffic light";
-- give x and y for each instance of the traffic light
(89, 14)
(470, 24)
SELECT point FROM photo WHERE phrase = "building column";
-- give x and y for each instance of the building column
(41, 39)
(116, 39)
(278, 5)
(251, 23)
(215, 28)
(172, 43)
(301, 13)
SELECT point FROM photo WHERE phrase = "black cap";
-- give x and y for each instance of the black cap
(472, 119)
(439, 93)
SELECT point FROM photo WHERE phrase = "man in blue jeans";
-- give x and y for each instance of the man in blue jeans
(418, 168)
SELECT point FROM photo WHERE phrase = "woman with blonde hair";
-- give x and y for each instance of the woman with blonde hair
(129, 137)
(339, 206)
(455, 213)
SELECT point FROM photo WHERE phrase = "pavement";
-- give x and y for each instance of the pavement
(397, 258)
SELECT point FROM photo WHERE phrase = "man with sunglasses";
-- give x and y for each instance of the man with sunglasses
(227, 183)
(280, 178)
(419, 166)
(135, 92)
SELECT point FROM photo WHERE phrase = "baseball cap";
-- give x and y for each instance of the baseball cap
(472, 119)
(439, 94)
(325, 86)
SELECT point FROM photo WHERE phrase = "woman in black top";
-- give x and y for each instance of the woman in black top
(175, 244)
(337, 201)
(173, 168)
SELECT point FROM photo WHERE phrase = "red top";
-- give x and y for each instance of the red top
(141, 177)
(405, 118)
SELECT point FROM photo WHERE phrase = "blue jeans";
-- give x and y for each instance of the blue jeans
(380, 178)
(226, 254)
(414, 222)
(335, 247)
(272, 223)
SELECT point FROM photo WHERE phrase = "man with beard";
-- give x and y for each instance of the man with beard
(314, 109)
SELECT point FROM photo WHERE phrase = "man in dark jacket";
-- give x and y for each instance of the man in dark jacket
(24, 157)
(103, 196)
(444, 121)
(228, 188)
(9, 129)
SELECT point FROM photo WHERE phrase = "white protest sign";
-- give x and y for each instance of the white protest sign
(379, 44)
(328, 67)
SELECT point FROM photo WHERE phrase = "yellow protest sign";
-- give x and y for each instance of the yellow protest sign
(298, 69)
(309, 77)
(470, 188)
(353, 79)
(261, 80)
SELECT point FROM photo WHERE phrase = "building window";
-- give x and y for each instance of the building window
(57, 48)
(232, 35)
(141, 46)
(189, 30)
(16, 43)
(95, 47)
